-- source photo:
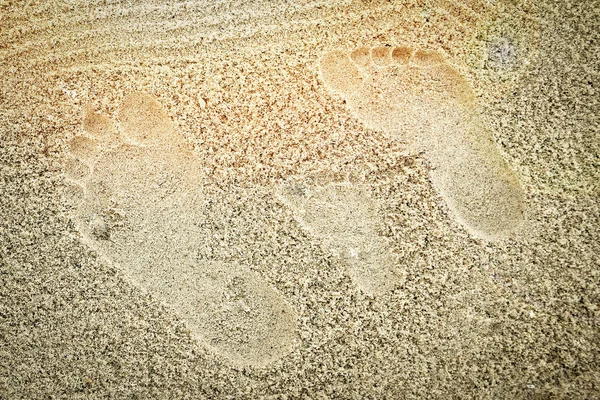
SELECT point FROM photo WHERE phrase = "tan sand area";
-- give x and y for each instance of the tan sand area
(299, 200)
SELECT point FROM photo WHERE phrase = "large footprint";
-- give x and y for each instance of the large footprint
(344, 217)
(415, 94)
(140, 205)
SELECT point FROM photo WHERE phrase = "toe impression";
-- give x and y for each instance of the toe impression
(361, 56)
(381, 56)
(427, 58)
(402, 54)
(101, 128)
(83, 148)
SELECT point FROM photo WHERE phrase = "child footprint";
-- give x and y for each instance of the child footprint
(140, 206)
(344, 217)
(416, 95)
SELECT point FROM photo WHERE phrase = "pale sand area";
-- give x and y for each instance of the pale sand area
(300, 200)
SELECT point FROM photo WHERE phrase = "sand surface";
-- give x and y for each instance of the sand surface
(300, 199)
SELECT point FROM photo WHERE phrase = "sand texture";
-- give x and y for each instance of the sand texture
(300, 199)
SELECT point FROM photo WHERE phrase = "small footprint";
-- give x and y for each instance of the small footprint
(417, 96)
(344, 217)
(139, 204)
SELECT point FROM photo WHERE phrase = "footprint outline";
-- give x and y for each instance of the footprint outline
(255, 329)
(344, 218)
(430, 97)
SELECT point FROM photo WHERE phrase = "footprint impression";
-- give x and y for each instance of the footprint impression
(416, 96)
(345, 218)
(139, 204)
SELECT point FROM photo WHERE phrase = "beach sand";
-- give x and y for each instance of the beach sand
(290, 200)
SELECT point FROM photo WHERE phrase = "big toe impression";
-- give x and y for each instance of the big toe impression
(144, 121)
(340, 74)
